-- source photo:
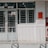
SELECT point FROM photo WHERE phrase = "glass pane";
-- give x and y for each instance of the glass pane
(30, 4)
(1, 4)
(21, 5)
(11, 29)
(2, 29)
(11, 21)
(22, 16)
(8, 5)
(12, 4)
(31, 16)
(26, 5)
(2, 21)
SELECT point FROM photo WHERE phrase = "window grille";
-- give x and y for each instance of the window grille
(11, 21)
(26, 12)
(2, 21)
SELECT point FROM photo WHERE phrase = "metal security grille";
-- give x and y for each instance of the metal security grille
(2, 21)
(10, 11)
(26, 16)
(31, 16)
(26, 12)
(22, 16)
(11, 21)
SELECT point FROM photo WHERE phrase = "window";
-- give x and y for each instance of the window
(11, 29)
(10, 5)
(1, 4)
(26, 16)
(11, 21)
(30, 16)
(7, 16)
(7, 5)
(26, 12)
(22, 16)
(2, 21)
(26, 5)
(13, 5)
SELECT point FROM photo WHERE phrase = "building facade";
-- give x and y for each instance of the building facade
(23, 23)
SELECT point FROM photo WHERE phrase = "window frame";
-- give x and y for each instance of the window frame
(15, 21)
(26, 10)
(15, 9)
(32, 15)
(20, 15)
(6, 18)
(1, 27)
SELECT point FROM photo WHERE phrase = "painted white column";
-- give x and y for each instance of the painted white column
(6, 24)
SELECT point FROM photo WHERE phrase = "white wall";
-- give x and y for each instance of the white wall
(20, 46)
(29, 46)
(40, 23)
(26, 33)
(5, 46)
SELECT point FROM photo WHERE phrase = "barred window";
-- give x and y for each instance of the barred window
(26, 16)
(26, 12)
(11, 21)
(30, 16)
(22, 16)
(2, 21)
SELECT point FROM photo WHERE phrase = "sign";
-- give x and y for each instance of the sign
(40, 15)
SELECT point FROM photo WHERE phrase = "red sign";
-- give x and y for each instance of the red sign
(40, 15)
